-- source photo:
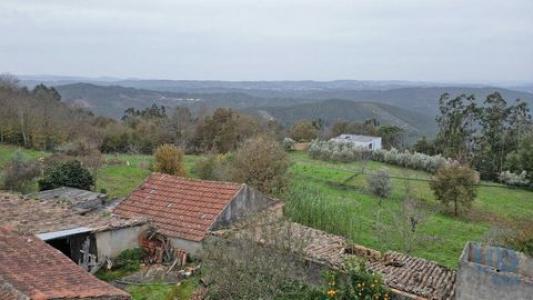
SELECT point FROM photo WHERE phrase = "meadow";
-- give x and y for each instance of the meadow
(333, 197)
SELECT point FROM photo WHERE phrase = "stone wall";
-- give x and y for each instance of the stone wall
(192, 247)
(111, 242)
(493, 273)
(247, 202)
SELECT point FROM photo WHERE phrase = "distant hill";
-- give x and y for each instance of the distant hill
(112, 100)
(417, 124)
(421, 99)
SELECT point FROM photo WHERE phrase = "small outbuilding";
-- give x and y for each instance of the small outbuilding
(186, 210)
(362, 141)
(30, 269)
(85, 237)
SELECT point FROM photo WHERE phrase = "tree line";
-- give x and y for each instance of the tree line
(492, 136)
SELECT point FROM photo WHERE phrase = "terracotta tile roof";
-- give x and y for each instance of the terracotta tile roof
(415, 276)
(409, 276)
(34, 216)
(180, 207)
(30, 267)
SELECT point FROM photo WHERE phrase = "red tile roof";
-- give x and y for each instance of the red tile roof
(30, 267)
(180, 207)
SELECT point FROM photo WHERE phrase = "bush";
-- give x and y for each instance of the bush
(70, 173)
(303, 131)
(19, 173)
(455, 184)
(288, 144)
(262, 163)
(169, 160)
(510, 178)
(345, 152)
(129, 260)
(214, 167)
(357, 283)
(379, 184)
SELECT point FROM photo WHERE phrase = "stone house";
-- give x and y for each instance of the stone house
(99, 233)
(185, 209)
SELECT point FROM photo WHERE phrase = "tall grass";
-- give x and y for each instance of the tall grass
(307, 205)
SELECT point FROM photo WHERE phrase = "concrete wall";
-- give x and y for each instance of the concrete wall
(247, 202)
(493, 273)
(192, 247)
(110, 243)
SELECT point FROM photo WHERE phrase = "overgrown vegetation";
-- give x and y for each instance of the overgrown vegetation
(357, 283)
(66, 173)
(258, 270)
(455, 184)
(333, 197)
(19, 173)
(262, 163)
(379, 184)
(127, 262)
(169, 160)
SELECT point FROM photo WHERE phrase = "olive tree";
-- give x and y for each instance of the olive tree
(455, 184)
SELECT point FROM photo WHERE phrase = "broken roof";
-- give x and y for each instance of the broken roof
(31, 268)
(38, 217)
(409, 276)
(180, 207)
(81, 200)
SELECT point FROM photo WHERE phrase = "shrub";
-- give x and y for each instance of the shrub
(169, 160)
(129, 260)
(334, 151)
(455, 184)
(262, 163)
(19, 173)
(288, 144)
(70, 173)
(259, 270)
(214, 167)
(379, 184)
(357, 283)
(510, 178)
(303, 131)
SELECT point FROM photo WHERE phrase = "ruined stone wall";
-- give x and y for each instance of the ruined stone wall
(493, 273)
(247, 202)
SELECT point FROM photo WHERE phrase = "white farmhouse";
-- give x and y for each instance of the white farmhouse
(361, 141)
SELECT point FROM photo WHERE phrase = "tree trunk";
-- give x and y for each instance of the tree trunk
(22, 130)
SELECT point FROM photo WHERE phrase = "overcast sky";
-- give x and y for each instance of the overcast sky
(430, 40)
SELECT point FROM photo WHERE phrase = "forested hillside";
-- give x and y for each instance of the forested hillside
(344, 110)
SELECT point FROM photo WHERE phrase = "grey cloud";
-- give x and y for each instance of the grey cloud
(449, 40)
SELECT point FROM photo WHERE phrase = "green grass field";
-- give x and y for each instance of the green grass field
(123, 172)
(346, 207)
